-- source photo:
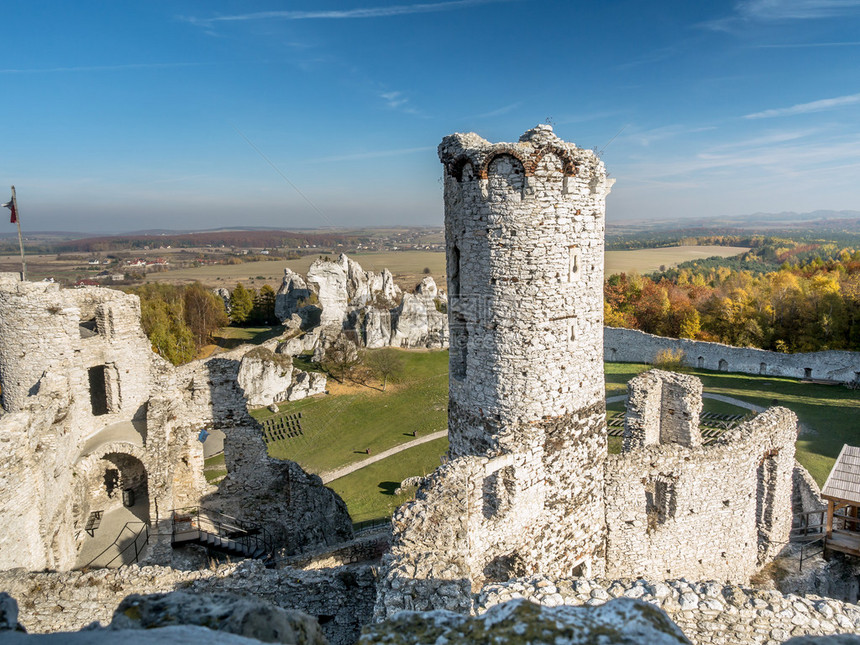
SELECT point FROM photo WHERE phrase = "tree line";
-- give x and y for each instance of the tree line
(180, 319)
(800, 307)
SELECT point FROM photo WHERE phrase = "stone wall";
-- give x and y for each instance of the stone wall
(633, 346)
(709, 613)
(523, 491)
(718, 511)
(91, 411)
(342, 599)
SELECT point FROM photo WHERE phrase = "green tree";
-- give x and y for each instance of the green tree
(264, 306)
(241, 304)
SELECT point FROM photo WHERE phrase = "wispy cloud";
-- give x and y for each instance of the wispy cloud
(344, 14)
(765, 11)
(647, 137)
(500, 111)
(372, 155)
(98, 68)
(806, 108)
(852, 43)
(394, 99)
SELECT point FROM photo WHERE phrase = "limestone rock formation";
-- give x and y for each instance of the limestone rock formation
(329, 282)
(269, 377)
(292, 295)
(624, 621)
(225, 612)
(368, 304)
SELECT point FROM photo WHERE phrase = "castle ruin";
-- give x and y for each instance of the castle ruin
(93, 420)
(529, 487)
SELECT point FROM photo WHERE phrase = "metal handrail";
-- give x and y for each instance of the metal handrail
(250, 536)
(804, 555)
(137, 551)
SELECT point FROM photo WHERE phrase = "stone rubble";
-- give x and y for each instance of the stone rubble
(708, 613)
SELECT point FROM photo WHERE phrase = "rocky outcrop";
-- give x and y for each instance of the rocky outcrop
(329, 282)
(625, 622)
(267, 378)
(293, 295)
(341, 296)
(223, 612)
(422, 318)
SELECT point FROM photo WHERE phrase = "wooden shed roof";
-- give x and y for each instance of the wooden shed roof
(843, 482)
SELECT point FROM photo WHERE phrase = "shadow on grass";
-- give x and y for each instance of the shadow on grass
(388, 488)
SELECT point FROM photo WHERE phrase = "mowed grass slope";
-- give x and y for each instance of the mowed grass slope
(828, 413)
(338, 429)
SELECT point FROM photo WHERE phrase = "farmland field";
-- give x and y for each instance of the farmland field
(408, 266)
(647, 260)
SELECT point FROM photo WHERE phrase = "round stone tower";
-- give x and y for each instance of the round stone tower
(524, 226)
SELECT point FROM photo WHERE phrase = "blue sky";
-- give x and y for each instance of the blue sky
(189, 115)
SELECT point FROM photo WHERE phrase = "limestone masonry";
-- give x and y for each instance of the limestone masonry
(528, 487)
(93, 416)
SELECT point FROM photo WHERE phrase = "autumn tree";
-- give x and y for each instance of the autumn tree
(341, 357)
(386, 363)
(204, 312)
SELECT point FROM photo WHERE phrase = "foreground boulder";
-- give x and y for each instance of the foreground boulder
(225, 612)
(621, 622)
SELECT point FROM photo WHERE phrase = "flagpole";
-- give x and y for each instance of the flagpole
(20, 238)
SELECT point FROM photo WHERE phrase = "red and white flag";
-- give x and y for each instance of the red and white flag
(11, 206)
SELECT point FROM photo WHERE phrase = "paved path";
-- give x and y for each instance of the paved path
(705, 395)
(346, 470)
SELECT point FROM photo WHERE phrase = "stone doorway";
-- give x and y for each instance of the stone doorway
(113, 512)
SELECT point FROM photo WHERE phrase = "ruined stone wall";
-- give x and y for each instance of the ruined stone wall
(709, 613)
(42, 325)
(524, 236)
(92, 411)
(523, 491)
(718, 511)
(342, 599)
(633, 346)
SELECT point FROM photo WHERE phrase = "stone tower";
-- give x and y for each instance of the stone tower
(524, 226)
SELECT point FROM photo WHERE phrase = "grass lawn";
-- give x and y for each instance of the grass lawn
(829, 410)
(215, 468)
(369, 492)
(337, 429)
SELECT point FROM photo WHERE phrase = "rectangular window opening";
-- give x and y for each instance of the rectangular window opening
(98, 390)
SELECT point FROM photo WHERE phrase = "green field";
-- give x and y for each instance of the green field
(339, 428)
(369, 492)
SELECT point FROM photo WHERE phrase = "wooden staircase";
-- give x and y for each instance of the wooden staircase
(221, 533)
